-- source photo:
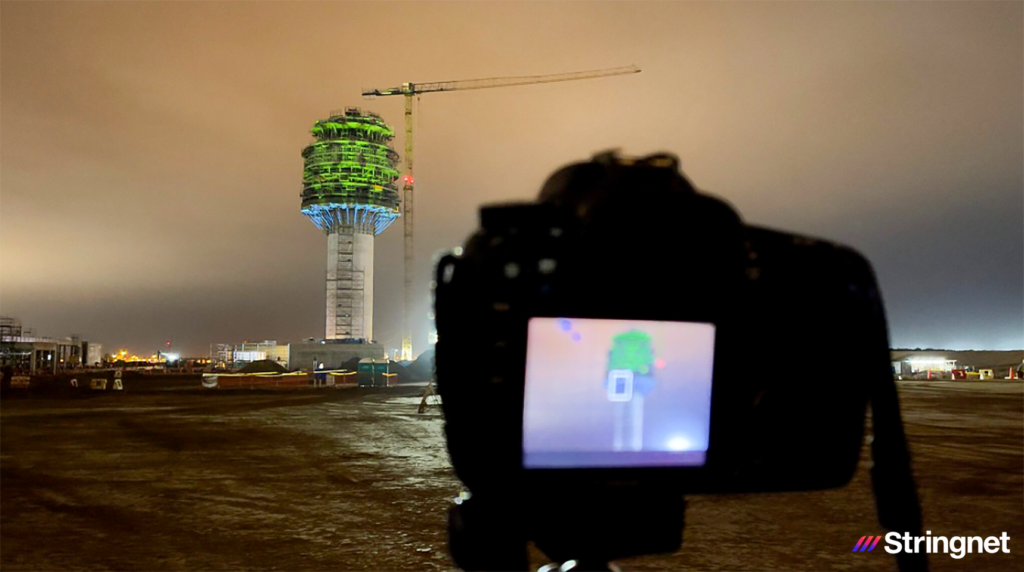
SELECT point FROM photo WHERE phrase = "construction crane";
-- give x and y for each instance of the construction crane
(411, 89)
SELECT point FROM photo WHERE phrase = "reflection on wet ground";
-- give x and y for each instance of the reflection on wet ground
(357, 480)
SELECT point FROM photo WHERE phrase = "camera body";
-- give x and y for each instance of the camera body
(799, 337)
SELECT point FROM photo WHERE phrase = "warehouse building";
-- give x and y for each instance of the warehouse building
(955, 364)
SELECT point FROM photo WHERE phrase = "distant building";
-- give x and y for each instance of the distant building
(237, 355)
(222, 355)
(940, 364)
(93, 353)
(25, 351)
(331, 354)
(308, 354)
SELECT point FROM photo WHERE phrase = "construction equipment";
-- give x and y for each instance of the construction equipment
(411, 89)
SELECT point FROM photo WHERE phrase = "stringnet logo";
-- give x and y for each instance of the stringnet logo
(956, 546)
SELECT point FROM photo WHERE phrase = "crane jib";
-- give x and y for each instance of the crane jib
(410, 89)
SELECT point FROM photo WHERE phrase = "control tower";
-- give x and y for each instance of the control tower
(349, 192)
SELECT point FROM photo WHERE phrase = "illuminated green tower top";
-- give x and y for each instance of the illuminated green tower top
(349, 173)
(631, 350)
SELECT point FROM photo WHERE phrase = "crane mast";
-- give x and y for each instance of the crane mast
(409, 90)
(407, 189)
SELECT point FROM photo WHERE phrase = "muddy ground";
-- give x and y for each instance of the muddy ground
(356, 480)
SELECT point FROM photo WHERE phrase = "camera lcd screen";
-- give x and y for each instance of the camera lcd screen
(617, 393)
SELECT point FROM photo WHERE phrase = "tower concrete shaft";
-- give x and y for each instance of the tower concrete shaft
(349, 284)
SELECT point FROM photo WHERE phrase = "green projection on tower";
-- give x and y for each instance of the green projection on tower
(631, 350)
(349, 173)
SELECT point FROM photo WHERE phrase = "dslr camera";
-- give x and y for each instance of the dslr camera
(626, 340)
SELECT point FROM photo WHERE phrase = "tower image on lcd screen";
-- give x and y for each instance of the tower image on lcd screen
(349, 192)
(630, 379)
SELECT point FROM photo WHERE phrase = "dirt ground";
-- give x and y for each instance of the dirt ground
(356, 480)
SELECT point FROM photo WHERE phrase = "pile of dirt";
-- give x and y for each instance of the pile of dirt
(263, 366)
(423, 368)
(352, 364)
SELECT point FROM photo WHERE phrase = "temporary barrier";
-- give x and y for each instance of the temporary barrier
(430, 398)
(22, 381)
(257, 380)
(344, 379)
(98, 384)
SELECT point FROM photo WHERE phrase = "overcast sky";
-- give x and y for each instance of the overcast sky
(150, 162)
